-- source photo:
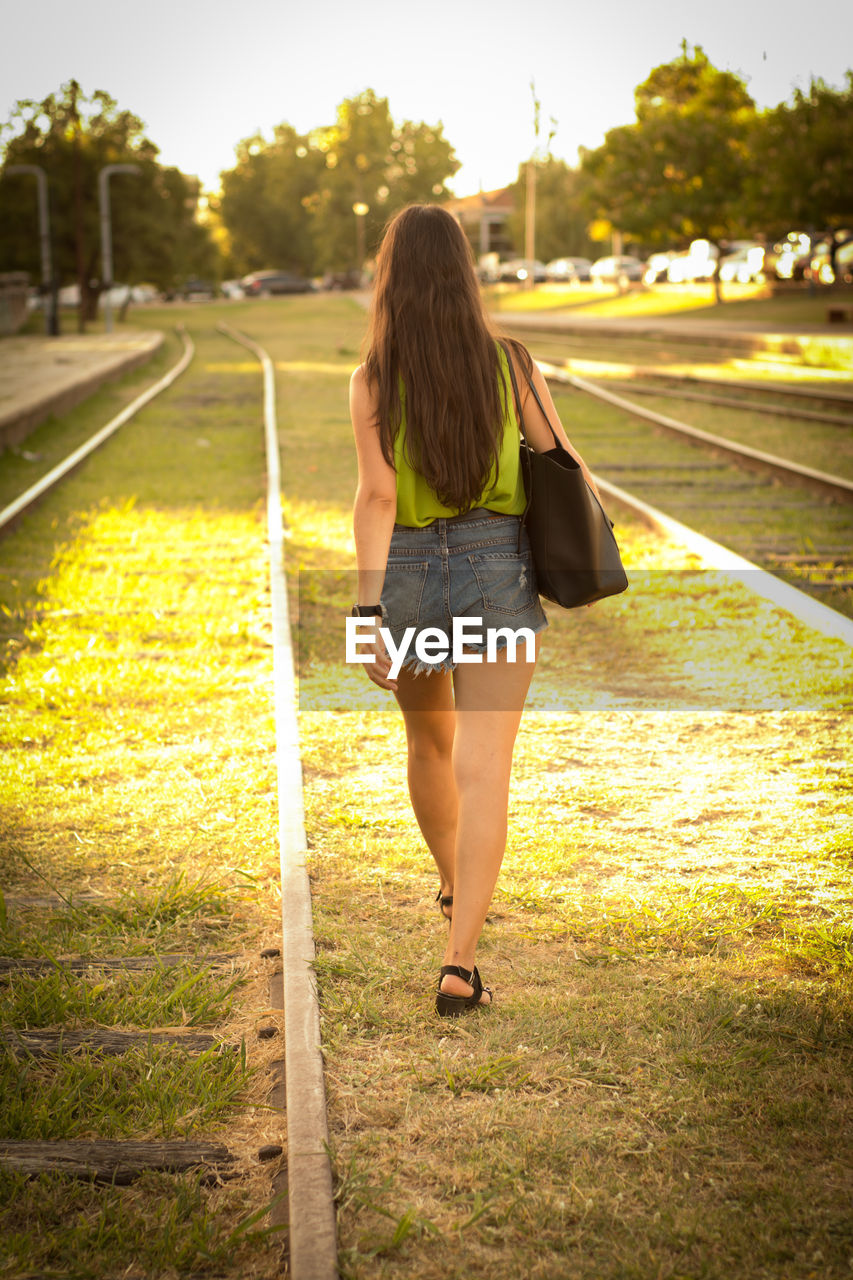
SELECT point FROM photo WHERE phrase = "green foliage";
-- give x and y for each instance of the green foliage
(679, 171)
(156, 237)
(801, 174)
(266, 199)
(699, 160)
(289, 202)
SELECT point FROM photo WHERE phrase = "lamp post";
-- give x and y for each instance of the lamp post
(530, 190)
(107, 233)
(530, 223)
(361, 210)
(50, 325)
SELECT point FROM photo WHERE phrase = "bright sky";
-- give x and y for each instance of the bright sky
(203, 74)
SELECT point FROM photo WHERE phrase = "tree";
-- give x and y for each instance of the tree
(289, 202)
(679, 172)
(802, 176)
(156, 236)
(266, 202)
(561, 221)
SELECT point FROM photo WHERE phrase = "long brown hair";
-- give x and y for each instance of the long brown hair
(429, 332)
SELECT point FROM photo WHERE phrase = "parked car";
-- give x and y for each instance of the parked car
(820, 267)
(262, 284)
(657, 267)
(518, 270)
(203, 290)
(69, 295)
(744, 265)
(696, 263)
(568, 269)
(788, 259)
(352, 279)
(616, 268)
(232, 289)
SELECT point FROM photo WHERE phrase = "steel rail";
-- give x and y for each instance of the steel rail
(722, 384)
(836, 487)
(74, 459)
(829, 622)
(748, 406)
(769, 388)
(311, 1227)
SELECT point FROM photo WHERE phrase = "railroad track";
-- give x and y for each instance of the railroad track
(712, 484)
(297, 1080)
(783, 516)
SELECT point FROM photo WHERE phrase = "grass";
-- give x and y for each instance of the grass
(751, 304)
(163, 1225)
(188, 995)
(137, 792)
(826, 447)
(817, 346)
(747, 512)
(155, 1093)
(663, 1086)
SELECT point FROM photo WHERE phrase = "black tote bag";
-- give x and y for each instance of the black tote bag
(575, 554)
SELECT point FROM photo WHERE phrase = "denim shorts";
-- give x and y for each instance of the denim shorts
(466, 567)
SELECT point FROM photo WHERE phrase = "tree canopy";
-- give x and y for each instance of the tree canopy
(289, 202)
(701, 161)
(156, 237)
(801, 169)
(680, 170)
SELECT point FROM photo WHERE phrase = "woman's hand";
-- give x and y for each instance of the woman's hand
(379, 665)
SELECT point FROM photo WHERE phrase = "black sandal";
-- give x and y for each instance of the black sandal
(446, 900)
(449, 1006)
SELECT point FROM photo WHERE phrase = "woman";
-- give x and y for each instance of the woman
(437, 522)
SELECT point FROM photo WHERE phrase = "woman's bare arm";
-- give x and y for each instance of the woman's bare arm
(536, 428)
(376, 497)
(374, 512)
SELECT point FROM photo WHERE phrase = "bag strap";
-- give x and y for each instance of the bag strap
(557, 443)
(536, 396)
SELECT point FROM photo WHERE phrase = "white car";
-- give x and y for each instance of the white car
(698, 263)
(744, 265)
(565, 269)
(615, 268)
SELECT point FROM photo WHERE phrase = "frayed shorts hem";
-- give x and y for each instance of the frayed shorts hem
(416, 667)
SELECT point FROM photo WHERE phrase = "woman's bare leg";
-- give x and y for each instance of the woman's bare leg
(489, 702)
(427, 705)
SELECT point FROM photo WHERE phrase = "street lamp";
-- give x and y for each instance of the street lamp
(50, 325)
(107, 233)
(361, 211)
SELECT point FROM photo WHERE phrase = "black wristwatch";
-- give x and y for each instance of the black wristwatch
(368, 611)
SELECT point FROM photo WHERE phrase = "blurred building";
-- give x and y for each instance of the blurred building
(484, 218)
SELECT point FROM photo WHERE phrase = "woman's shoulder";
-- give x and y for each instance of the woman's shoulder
(362, 394)
(359, 385)
(511, 348)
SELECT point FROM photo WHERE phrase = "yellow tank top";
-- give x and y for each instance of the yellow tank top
(418, 504)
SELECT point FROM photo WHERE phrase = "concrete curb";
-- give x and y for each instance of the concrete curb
(719, 558)
(312, 1228)
(94, 442)
(27, 411)
(769, 342)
